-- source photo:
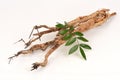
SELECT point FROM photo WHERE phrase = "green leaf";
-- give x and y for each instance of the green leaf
(73, 49)
(71, 28)
(71, 41)
(82, 39)
(83, 53)
(59, 25)
(67, 36)
(85, 46)
(78, 34)
(62, 32)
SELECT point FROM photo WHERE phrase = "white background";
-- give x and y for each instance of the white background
(17, 18)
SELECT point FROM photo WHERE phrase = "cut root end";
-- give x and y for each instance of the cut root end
(35, 66)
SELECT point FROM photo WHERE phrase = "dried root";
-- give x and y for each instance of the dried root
(42, 46)
(80, 24)
(43, 64)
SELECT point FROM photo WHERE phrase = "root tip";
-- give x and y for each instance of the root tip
(114, 13)
(35, 66)
(10, 58)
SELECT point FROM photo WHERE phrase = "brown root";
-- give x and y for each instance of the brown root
(36, 27)
(41, 26)
(20, 52)
(43, 64)
(27, 44)
(42, 46)
(39, 35)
